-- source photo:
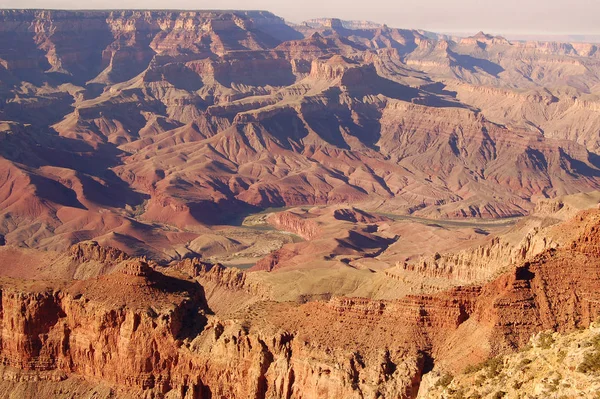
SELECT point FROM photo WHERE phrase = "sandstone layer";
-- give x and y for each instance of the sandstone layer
(144, 129)
(218, 204)
(145, 330)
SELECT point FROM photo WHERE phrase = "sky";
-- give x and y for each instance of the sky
(558, 17)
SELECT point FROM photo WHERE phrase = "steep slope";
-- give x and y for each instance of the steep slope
(281, 349)
(553, 365)
(356, 169)
(540, 231)
(160, 122)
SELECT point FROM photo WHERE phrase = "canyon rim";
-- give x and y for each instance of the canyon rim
(224, 204)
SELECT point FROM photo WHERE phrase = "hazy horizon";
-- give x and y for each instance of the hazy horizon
(527, 17)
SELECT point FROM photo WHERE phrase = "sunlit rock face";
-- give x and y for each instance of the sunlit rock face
(357, 173)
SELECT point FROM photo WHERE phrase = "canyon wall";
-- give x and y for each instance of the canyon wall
(152, 333)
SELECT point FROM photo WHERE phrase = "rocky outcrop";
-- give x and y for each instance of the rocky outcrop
(273, 260)
(542, 231)
(481, 263)
(146, 334)
(553, 364)
(288, 221)
(179, 118)
(150, 333)
(81, 329)
(226, 278)
(91, 251)
(334, 68)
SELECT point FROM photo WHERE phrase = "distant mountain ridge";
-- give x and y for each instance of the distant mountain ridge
(118, 120)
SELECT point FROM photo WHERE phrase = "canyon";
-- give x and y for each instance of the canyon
(153, 126)
(151, 331)
(223, 204)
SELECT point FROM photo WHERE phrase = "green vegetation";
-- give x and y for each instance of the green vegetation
(138, 210)
(458, 394)
(525, 362)
(444, 381)
(545, 340)
(493, 365)
(591, 363)
(591, 360)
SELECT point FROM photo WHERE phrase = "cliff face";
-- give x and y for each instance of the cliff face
(152, 334)
(482, 262)
(143, 332)
(558, 365)
(522, 242)
(120, 44)
(155, 132)
(80, 329)
(119, 123)
(287, 221)
(155, 351)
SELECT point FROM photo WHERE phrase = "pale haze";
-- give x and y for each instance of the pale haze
(506, 16)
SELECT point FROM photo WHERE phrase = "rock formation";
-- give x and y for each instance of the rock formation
(175, 119)
(217, 204)
(552, 364)
(150, 331)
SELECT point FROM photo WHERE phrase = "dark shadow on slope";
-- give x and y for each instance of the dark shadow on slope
(363, 125)
(19, 49)
(255, 72)
(55, 192)
(286, 128)
(367, 129)
(176, 74)
(327, 126)
(537, 159)
(594, 160)
(472, 64)
(281, 32)
(35, 149)
(234, 38)
(440, 89)
(185, 79)
(89, 45)
(578, 168)
(365, 81)
(93, 90)
(348, 42)
(199, 390)
(173, 285)
(225, 212)
(114, 193)
(127, 109)
(40, 111)
(388, 88)
(189, 317)
(523, 273)
(131, 54)
(8, 81)
(330, 121)
(359, 242)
